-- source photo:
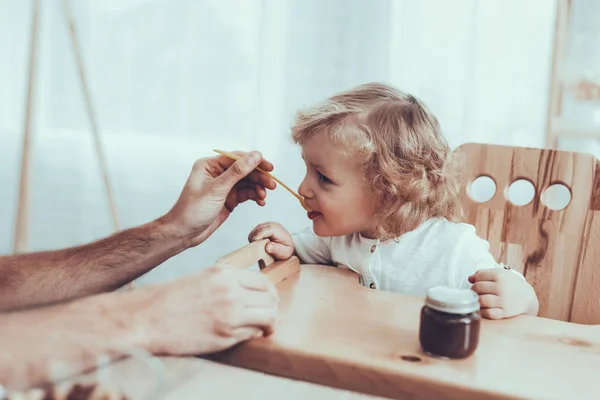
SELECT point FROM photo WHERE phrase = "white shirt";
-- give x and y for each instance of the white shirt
(438, 252)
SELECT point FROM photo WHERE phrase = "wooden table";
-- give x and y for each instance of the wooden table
(335, 332)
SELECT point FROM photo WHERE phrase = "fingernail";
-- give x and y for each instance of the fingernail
(254, 156)
(269, 247)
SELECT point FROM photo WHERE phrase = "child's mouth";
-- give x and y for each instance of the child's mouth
(313, 214)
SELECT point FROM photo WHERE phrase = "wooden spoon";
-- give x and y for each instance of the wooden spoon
(296, 195)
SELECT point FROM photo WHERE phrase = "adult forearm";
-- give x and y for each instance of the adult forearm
(52, 343)
(107, 264)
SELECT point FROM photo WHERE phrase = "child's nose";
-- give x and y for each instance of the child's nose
(304, 189)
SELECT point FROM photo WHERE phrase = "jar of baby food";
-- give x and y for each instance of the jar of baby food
(450, 322)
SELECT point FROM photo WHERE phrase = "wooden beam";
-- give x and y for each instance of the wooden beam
(561, 31)
(21, 234)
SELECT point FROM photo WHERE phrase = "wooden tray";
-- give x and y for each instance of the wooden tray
(336, 332)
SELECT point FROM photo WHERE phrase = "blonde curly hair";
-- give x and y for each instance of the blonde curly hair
(397, 140)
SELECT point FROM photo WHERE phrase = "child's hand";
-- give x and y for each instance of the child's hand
(281, 246)
(503, 294)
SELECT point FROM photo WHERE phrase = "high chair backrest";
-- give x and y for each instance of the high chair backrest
(558, 251)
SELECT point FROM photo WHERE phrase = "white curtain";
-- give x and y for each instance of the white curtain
(171, 80)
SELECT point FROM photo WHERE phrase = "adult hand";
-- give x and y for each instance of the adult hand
(207, 312)
(214, 188)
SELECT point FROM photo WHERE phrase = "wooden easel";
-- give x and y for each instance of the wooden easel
(556, 125)
(22, 221)
(21, 234)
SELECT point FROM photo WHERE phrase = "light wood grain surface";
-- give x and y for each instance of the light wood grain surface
(556, 250)
(336, 332)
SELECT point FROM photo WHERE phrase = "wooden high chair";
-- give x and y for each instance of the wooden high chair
(558, 251)
(334, 331)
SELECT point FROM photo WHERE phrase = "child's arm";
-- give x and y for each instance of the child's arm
(308, 247)
(503, 292)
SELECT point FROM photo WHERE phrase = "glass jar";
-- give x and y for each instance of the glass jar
(450, 322)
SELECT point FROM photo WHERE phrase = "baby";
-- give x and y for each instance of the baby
(384, 200)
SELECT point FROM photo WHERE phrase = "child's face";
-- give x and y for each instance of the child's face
(335, 188)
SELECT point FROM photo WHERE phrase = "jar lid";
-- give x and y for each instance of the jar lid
(452, 300)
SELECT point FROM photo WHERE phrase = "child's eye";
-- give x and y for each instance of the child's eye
(323, 178)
